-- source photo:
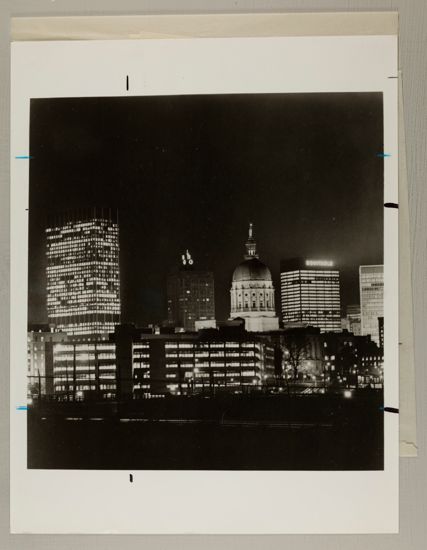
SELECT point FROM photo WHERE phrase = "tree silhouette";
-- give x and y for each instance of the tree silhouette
(295, 349)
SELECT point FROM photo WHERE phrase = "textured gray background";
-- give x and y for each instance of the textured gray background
(413, 472)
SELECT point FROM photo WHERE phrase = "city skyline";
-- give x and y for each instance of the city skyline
(83, 276)
(87, 353)
(159, 219)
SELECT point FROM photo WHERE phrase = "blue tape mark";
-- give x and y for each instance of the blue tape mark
(20, 157)
(383, 155)
(22, 408)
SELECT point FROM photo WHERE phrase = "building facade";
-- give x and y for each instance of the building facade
(252, 292)
(310, 294)
(353, 361)
(83, 283)
(222, 363)
(40, 343)
(149, 363)
(352, 319)
(331, 360)
(190, 295)
(145, 363)
(226, 359)
(84, 370)
(371, 283)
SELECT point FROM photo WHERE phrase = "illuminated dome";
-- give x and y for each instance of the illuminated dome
(252, 270)
(252, 292)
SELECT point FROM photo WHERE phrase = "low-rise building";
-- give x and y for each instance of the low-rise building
(40, 341)
(84, 370)
(148, 363)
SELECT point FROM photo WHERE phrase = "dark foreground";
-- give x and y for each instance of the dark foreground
(313, 432)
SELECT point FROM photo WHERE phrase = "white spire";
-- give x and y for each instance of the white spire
(251, 244)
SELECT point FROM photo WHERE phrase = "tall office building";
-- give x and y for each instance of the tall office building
(310, 294)
(371, 283)
(190, 295)
(83, 286)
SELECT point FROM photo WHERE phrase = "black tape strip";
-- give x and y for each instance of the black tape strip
(391, 410)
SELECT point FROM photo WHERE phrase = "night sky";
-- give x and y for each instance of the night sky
(193, 171)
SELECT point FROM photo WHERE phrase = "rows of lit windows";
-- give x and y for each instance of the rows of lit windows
(311, 301)
(309, 272)
(83, 275)
(87, 347)
(309, 290)
(302, 294)
(311, 296)
(103, 268)
(82, 329)
(212, 354)
(62, 260)
(327, 292)
(302, 309)
(70, 367)
(190, 298)
(211, 364)
(371, 300)
(213, 374)
(307, 298)
(75, 244)
(81, 361)
(182, 345)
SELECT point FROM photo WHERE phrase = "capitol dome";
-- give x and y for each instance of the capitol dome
(252, 292)
(251, 270)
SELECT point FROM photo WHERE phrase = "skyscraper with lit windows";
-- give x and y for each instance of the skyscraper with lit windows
(190, 295)
(83, 283)
(371, 281)
(310, 293)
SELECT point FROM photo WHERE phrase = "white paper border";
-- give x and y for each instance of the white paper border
(76, 501)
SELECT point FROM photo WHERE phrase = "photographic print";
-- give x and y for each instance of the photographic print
(204, 285)
(206, 282)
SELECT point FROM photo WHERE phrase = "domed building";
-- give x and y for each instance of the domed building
(252, 292)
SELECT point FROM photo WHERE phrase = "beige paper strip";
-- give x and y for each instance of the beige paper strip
(407, 408)
(203, 26)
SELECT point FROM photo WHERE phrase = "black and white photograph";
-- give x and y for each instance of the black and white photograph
(205, 282)
(204, 277)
